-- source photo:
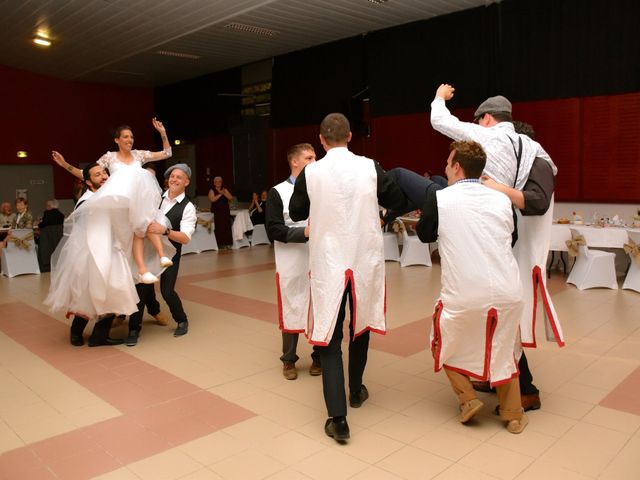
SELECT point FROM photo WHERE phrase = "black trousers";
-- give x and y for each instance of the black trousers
(526, 379)
(100, 329)
(289, 347)
(147, 295)
(168, 290)
(331, 360)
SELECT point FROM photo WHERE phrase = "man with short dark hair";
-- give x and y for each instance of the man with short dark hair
(292, 263)
(340, 195)
(179, 225)
(476, 319)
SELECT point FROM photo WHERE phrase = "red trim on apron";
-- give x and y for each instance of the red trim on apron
(537, 281)
(279, 295)
(436, 342)
(492, 323)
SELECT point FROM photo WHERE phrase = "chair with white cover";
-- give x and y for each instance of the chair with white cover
(259, 235)
(20, 256)
(592, 268)
(391, 247)
(632, 280)
(204, 237)
(414, 252)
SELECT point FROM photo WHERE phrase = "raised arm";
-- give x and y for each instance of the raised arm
(166, 146)
(59, 159)
(444, 122)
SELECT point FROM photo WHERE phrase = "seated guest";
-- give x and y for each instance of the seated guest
(23, 219)
(51, 216)
(258, 207)
(7, 217)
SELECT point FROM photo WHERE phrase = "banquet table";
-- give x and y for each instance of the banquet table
(597, 237)
(241, 224)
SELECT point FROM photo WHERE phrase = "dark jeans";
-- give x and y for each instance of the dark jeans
(100, 329)
(331, 360)
(526, 379)
(289, 346)
(414, 187)
(168, 290)
(147, 295)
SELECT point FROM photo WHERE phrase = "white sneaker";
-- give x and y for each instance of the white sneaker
(148, 277)
(165, 262)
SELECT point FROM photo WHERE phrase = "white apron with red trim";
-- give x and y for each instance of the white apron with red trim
(345, 243)
(531, 252)
(475, 325)
(292, 273)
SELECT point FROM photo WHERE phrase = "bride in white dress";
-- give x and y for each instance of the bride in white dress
(93, 274)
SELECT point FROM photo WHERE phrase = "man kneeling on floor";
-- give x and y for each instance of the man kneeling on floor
(476, 319)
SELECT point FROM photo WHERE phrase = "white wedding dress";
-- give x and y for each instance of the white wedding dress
(93, 272)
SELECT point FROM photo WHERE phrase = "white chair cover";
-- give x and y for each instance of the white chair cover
(202, 240)
(391, 248)
(241, 224)
(259, 236)
(18, 261)
(414, 252)
(632, 280)
(593, 268)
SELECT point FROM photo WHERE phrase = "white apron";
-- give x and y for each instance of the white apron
(345, 244)
(476, 320)
(292, 273)
(531, 252)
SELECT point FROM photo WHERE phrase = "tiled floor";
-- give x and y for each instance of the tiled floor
(213, 404)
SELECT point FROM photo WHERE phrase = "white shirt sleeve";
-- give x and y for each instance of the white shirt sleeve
(189, 218)
(444, 122)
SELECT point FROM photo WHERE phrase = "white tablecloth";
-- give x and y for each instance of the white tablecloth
(241, 223)
(606, 237)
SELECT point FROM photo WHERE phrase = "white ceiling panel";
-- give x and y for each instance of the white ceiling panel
(116, 41)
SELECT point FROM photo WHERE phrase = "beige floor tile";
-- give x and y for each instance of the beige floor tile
(235, 390)
(370, 447)
(497, 461)
(255, 430)
(374, 473)
(290, 447)
(331, 463)
(288, 474)
(566, 407)
(582, 393)
(529, 443)
(213, 448)
(446, 443)
(292, 415)
(167, 465)
(548, 423)
(247, 465)
(606, 373)
(412, 463)
(550, 471)
(394, 400)
(481, 428)
(262, 402)
(626, 464)
(459, 472)
(368, 415)
(8, 438)
(202, 474)
(613, 419)
(43, 428)
(432, 412)
(586, 449)
(402, 428)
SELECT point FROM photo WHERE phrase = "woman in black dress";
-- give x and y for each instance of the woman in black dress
(220, 197)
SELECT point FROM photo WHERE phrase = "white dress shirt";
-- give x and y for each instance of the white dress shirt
(189, 218)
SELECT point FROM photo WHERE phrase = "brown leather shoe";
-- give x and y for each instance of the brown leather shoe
(531, 402)
(517, 426)
(469, 409)
(161, 319)
(482, 386)
(315, 369)
(289, 370)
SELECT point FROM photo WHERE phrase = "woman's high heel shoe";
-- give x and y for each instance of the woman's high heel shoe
(148, 277)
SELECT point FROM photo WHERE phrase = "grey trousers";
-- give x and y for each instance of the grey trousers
(289, 346)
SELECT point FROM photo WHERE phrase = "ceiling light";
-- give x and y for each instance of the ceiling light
(169, 53)
(22, 154)
(241, 27)
(42, 39)
(177, 142)
(378, 2)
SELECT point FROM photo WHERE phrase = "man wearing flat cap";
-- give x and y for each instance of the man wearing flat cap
(178, 226)
(513, 161)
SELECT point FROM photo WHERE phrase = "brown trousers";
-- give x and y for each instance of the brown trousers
(508, 394)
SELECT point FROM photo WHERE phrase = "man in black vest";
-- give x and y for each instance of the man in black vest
(179, 224)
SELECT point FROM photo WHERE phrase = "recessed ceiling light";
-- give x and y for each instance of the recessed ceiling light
(241, 27)
(42, 38)
(169, 53)
(22, 154)
(378, 2)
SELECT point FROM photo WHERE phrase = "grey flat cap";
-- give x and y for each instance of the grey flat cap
(180, 166)
(493, 105)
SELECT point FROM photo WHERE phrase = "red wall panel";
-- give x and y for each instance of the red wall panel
(41, 114)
